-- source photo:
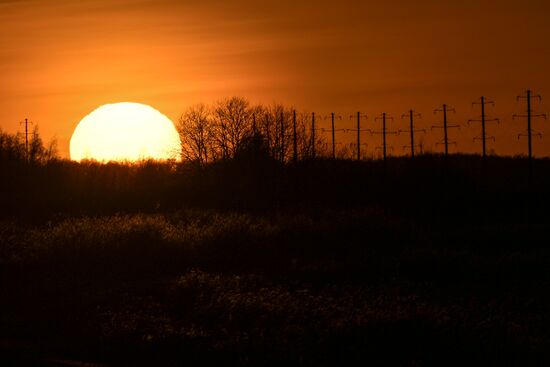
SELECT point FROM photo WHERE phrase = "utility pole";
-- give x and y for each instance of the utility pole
(294, 135)
(384, 132)
(333, 131)
(445, 109)
(483, 102)
(411, 130)
(359, 115)
(26, 122)
(530, 115)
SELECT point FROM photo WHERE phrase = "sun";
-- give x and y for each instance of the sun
(125, 131)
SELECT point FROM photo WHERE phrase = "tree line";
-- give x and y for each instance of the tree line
(233, 127)
(14, 150)
(227, 129)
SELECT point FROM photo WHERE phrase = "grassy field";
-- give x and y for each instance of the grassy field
(251, 262)
(293, 287)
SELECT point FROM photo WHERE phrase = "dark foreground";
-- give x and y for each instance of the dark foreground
(459, 279)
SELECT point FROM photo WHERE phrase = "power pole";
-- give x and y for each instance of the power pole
(483, 102)
(445, 109)
(530, 115)
(384, 132)
(359, 115)
(294, 135)
(26, 122)
(411, 130)
(333, 131)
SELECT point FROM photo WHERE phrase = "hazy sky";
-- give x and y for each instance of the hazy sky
(61, 59)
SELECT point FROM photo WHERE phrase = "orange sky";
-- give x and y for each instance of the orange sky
(61, 59)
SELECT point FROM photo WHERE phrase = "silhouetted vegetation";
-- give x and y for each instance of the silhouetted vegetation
(221, 131)
(254, 260)
(318, 289)
(14, 152)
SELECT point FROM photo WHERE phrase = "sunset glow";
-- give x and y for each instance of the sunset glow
(60, 59)
(274, 182)
(124, 132)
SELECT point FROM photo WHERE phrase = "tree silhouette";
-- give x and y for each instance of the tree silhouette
(38, 152)
(220, 131)
(12, 149)
(196, 133)
(232, 122)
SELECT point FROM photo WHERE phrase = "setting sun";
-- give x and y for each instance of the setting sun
(124, 132)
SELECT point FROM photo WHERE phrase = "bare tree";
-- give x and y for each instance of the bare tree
(196, 132)
(38, 152)
(346, 151)
(12, 148)
(224, 130)
(275, 123)
(232, 125)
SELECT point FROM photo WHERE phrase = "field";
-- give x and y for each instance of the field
(414, 263)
